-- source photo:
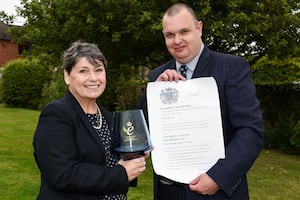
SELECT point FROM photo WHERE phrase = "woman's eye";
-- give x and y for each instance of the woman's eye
(99, 70)
(82, 71)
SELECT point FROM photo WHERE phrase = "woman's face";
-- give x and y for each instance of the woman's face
(86, 81)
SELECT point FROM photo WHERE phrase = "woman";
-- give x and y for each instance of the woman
(72, 142)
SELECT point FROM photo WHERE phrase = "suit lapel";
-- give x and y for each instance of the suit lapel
(83, 118)
(202, 69)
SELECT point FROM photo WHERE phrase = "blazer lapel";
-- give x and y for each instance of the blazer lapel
(84, 120)
(202, 69)
(170, 65)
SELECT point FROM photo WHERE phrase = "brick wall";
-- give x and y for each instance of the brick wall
(8, 51)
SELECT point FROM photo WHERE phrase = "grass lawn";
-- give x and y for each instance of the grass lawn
(274, 176)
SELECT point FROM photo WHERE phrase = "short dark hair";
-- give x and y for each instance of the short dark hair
(81, 49)
(176, 8)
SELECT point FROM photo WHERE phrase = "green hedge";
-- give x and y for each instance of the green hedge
(55, 89)
(1, 69)
(129, 93)
(280, 106)
(295, 140)
(23, 81)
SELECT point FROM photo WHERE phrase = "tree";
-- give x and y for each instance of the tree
(129, 31)
(5, 18)
(253, 28)
(121, 28)
(267, 71)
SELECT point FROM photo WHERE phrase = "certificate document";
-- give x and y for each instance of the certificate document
(185, 127)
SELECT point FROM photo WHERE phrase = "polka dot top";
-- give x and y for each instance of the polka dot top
(111, 159)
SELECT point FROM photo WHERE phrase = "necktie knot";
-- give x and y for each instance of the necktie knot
(182, 70)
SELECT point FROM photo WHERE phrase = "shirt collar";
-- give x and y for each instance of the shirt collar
(191, 65)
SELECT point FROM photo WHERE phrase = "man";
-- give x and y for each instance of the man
(241, 117)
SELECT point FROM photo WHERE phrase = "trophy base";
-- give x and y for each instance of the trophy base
(132, 149)
(133, 155)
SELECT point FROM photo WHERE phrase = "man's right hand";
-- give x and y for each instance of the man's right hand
(170, 75)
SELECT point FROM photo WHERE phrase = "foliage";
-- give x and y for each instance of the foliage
(295, 140)
(55, 87)
(113, 25)
(276, 71)
(23, 81)
(280, 106)
(1, 101)
(253, 28)
(53, 90)
(129, 31)
(7, 19)
(129, 93)
(129, 34)
(1, 69)
(274, 175)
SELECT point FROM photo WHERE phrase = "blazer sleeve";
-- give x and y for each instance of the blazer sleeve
(65, 160)
(242, 124)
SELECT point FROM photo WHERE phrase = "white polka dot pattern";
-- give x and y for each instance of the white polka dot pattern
(111, 159)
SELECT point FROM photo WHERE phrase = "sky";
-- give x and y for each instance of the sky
(8, 6)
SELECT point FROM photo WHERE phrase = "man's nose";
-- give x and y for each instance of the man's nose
(177, 38)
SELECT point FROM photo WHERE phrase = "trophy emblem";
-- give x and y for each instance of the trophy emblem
(130, 128)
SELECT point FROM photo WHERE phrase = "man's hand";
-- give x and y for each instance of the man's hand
(205, 185)
(170, 75)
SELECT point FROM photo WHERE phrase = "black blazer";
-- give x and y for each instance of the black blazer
(241, 119)
(70, 155)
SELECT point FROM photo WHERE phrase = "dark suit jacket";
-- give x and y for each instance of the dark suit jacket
(70, 155)
(241, 119)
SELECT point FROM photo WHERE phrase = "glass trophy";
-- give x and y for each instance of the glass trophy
(131, 133)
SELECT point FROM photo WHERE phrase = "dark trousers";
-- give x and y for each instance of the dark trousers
(171, 192)
(181, 192)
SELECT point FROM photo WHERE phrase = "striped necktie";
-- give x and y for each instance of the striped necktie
(182, 70)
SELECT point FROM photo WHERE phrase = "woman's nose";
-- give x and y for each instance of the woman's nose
(93, 76)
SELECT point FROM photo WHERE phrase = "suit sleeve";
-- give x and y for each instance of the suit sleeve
(63, 164)
(242, 126)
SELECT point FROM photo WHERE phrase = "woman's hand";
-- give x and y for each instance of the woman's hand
(134, 163)
(134, 167)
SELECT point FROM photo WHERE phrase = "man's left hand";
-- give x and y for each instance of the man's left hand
(205, 185)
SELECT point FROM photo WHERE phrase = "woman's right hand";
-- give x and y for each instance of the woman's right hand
(134, 167)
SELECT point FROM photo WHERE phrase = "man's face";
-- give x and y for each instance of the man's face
(182, 34)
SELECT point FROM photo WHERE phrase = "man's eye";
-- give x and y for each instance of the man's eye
(184, 32)
(169, 35)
